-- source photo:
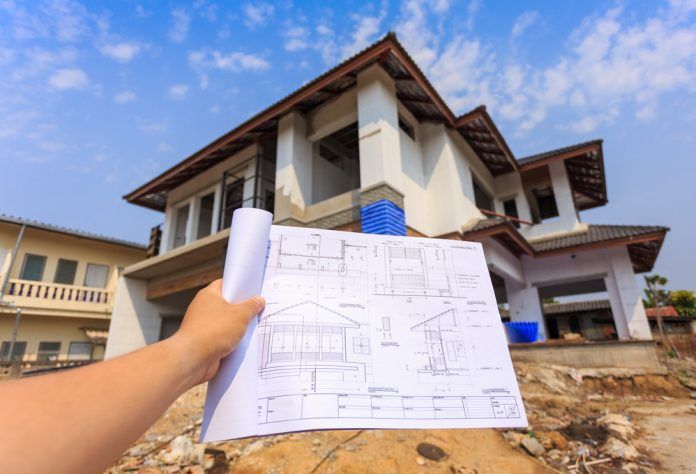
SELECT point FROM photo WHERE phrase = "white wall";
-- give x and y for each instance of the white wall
(293, 167)
(328, 180)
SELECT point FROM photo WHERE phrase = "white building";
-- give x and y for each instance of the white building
(374, 129)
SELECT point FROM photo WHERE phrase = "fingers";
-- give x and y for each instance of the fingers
(251, 307)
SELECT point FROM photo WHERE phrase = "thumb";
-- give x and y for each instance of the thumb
(250, 307)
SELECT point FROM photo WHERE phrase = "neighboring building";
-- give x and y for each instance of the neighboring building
(63, 282)
(372, 138)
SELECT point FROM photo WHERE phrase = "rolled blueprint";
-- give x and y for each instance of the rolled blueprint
(234, 385)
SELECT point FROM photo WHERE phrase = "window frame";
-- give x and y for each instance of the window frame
(74, 275)
(24, 266)
(106, 277)
(5, 346)
(56, 353)
(73, 343)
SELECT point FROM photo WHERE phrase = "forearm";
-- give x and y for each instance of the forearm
(100, 408)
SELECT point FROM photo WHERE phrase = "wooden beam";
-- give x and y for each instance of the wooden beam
(196, 280)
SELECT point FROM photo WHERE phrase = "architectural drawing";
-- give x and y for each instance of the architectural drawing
(418, 271)
(444, 349)
(313, 343)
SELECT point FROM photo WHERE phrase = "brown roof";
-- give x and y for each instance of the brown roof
(412, 88)
(576, 306)
(643, 242)
(584, 163)
(665, 311)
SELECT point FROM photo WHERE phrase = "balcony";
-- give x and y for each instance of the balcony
(54, 298)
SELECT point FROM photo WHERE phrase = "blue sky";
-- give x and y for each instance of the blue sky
(97, 98)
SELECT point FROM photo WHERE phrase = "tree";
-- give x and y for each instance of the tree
(684, 301)
(657, 295)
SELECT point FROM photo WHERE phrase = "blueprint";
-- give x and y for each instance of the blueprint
(370, 331)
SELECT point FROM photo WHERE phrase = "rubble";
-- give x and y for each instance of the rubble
(580, 420)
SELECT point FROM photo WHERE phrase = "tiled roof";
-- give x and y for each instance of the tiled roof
(486, 224)
(547, 154)
(667, 311)
(68, 231)
(576, 306)
(596, 233)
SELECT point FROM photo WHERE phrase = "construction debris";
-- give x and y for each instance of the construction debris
(580, 421)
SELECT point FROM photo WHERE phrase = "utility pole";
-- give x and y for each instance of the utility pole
(3, 285)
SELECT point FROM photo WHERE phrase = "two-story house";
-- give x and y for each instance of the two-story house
(371, 146)
(57, 290)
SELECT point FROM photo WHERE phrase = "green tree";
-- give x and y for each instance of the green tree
(655, 294)
(684, 301)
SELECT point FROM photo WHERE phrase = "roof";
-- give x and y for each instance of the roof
(301, 313)
(576, 306)
(584, 163)
(666, 311)
(412, 88)
(68, 231)
(595, 305)
(643, 242)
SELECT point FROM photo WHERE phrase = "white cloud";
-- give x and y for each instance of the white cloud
(366, 29)
(149, 126)
(178, 91)
(471, 11)
(613, 62)
(125, 97)
(257, 14)
(121, 52)
(180, 25)
(235, 61)
(523, 22)
(296, 38)
(164, 147)
(65, 79)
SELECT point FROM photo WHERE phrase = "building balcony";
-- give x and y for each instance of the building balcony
(39, 297)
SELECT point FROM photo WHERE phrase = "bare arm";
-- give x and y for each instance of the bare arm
(82, 420)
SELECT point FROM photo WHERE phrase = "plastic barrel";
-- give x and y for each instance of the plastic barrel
(522, 331)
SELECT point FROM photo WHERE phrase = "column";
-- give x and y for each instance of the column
(563, 194)
(135, 322)
(293, 183)
(625, 298)
(525, 305)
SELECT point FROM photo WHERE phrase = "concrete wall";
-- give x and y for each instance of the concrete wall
(135, 321)
(621, 354)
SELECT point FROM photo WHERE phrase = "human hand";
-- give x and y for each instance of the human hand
(212, 328)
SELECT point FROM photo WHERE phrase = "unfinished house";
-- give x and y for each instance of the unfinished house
(371, 146)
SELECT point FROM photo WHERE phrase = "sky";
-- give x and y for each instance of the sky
(97, 98)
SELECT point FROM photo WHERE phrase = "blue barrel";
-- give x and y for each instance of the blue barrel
(522, 331)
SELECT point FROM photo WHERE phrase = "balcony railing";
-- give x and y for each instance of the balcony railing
(41, 294)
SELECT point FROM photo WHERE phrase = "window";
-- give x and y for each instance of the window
(481, 198)
(65, 272)
(510, 209)
(407, 128)
(96, 274)
(546, 202)
(48, 351)
(180, 224)
(233, 199)
(18, 350)
(33, 267)
(80, 351)
(205, 215)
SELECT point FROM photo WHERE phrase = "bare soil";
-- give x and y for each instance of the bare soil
(591, 420)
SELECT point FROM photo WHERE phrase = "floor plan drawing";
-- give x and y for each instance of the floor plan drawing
(444, 350)
(313, 343)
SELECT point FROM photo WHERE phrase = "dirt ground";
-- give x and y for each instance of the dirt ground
(581, 420)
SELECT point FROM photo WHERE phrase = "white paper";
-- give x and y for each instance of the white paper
(370, 331)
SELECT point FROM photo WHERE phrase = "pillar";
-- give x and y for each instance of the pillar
(525, 305)
(563, 194)
(625, 298)
(293, 182)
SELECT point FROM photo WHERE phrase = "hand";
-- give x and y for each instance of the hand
(212, 328)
